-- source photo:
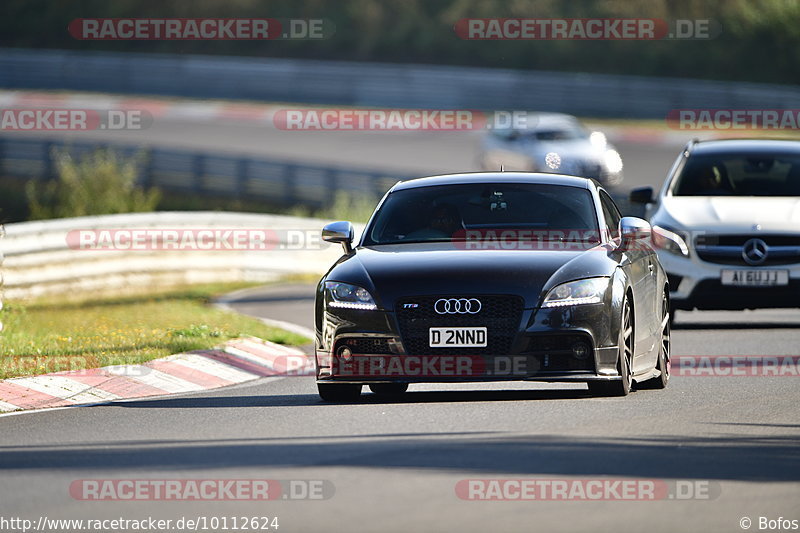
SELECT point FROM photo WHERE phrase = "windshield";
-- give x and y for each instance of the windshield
(756, 174)
(448, 212)
(545, 134)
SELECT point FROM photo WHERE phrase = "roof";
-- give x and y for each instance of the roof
(546, 121)
(495, 177)
(734, 146)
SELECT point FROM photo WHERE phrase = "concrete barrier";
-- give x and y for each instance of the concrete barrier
(49, 257)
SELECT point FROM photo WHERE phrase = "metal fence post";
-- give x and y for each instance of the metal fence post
(146, 170)
(290, 192)
(242, 166)
(49, 164)
(198, 170)
(333, 186)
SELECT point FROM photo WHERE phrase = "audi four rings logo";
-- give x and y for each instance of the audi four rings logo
(457, 306)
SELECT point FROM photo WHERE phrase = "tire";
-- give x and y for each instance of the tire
(339, 392)
(389, 389)
(623, 386)
(664, 353)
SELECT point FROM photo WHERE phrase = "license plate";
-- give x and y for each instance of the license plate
(457, 337)
(755, 278)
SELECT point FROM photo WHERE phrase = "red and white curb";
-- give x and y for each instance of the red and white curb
(200, 110)
(236, 361)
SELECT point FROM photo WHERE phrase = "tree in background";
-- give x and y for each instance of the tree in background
(759, 40)
(98, 183)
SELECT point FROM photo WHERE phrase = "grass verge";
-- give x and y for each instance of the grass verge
(52, 335)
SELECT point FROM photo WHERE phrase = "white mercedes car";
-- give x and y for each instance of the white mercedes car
(727, 225)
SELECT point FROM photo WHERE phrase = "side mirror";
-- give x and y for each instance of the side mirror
(341, 232)
(642, 195)
(632, 229)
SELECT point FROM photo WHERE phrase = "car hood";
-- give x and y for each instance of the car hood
(729, 214)
(395, 271)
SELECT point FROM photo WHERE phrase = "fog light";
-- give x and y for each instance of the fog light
(580, 350)
(345, 353)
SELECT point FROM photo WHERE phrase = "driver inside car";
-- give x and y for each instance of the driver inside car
(444, 222)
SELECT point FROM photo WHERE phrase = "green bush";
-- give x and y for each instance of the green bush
(99, 183)
(349, 206)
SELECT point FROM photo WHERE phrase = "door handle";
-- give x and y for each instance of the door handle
(652, 268)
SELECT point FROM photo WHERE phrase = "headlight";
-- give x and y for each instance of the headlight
(668, 240)
(583, 291)
(598, 139)
(613, 161)
(349, 296)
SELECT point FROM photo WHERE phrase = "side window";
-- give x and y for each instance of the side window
(611, 214)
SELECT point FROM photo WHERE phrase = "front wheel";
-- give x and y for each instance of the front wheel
(623, 386)
(663, 364)
(339, 392)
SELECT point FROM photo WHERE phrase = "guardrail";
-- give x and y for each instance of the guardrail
(380, 84)
(54, 257)
(44, 257)
(278, 182)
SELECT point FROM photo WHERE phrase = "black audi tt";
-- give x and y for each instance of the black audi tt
(491, 277)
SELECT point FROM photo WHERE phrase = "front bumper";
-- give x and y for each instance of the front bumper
(695, 284)
(572, 344)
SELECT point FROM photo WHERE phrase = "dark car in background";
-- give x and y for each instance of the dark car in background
(492, 277)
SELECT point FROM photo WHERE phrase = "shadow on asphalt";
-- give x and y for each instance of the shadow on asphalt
(305, 400)
(677, 324)
(758, 458)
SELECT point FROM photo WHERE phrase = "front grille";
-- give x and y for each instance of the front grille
(711, 294)
(500, 314)
(739, 240)
(727, 249)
